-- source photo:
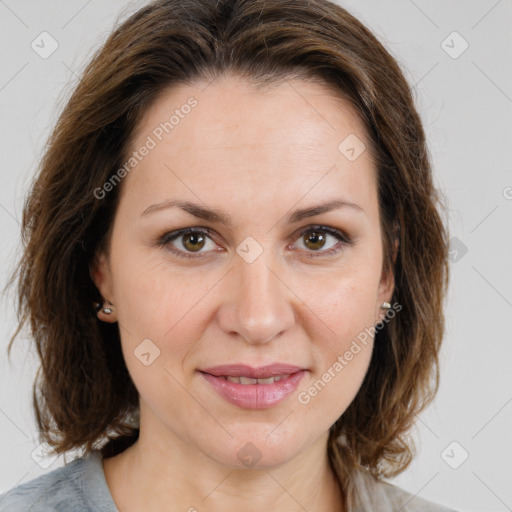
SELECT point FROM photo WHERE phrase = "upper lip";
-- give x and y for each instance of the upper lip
(243, 370)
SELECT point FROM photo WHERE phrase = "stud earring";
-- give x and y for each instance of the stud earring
(107, 310)
(386, 306)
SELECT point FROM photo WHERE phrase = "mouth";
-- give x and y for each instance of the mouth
(254, 388)
(250, 372)
(248, 380)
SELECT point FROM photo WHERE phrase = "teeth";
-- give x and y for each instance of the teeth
(266, 381)
(249, 380)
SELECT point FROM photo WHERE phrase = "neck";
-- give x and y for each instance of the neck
(148, 477)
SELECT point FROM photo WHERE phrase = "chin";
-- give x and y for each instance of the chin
(255, 449)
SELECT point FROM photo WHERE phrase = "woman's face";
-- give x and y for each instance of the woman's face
(263, 280)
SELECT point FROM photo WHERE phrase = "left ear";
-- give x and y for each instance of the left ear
(387, 283)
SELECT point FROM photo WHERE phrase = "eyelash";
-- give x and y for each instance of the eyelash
(165, 240)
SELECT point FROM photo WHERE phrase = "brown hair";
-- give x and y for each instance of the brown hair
(83, 395)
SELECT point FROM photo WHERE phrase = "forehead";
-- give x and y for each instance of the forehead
(231, 109)
(226, 134)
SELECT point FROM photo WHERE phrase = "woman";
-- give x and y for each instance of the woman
(234, 269)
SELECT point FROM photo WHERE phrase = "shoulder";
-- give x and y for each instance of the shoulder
(47, 491)
(75, 487)
(373, 494)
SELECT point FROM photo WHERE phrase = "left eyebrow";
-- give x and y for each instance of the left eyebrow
(299, 215)
(218, 216)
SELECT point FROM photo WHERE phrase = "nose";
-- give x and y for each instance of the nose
(258, 304)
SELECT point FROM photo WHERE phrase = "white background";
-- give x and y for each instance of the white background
(466, 104)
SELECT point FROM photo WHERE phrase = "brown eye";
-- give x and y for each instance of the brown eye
(193, 241)
(314, 240)
(186, 242)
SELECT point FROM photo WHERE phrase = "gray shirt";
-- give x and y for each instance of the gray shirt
(80, 486)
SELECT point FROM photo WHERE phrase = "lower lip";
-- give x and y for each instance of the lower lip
(255, 396)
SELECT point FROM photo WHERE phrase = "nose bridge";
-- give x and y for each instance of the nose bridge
(260, 308)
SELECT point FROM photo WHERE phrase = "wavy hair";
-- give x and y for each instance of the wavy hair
(83, 395)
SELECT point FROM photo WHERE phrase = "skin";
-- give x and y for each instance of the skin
(257, 156)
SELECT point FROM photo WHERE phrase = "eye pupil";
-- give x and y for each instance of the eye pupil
(315, 237)
(194, 238)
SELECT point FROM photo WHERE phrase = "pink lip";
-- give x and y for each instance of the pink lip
(263, 372)
(254, 396)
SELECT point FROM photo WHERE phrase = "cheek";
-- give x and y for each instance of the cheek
(160, 322)
(162, 312)
(341, 330)
(342, 300)
(329, 396)
(342, 361)
(152, 297)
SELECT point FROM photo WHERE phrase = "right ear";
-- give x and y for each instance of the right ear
(101, 275)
